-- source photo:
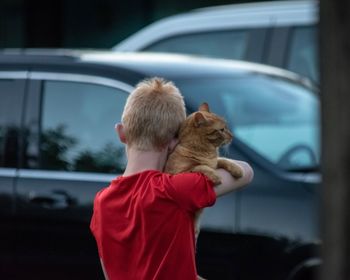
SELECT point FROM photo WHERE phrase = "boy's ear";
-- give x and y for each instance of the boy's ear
(119, 128)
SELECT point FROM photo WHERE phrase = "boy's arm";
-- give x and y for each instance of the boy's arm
(229, 183)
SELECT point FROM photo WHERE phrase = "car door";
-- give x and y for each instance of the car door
(275, 123)
(279, 120)
(71, 153)
(12, 90)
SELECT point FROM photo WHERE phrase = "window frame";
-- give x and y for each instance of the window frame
(21, 77)
(277, 46)
(288, 50)
(257, 44)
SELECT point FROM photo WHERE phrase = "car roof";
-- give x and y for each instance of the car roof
(140, 64)
(224, 17)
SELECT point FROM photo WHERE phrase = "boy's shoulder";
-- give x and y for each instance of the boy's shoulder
(158, 179)
(159, 174)
(190, 191)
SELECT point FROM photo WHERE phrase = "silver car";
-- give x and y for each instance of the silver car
(278, 33)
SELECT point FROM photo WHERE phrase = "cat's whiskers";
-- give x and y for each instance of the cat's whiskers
(225, 150)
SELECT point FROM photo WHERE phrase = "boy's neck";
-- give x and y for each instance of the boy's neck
(139, 161)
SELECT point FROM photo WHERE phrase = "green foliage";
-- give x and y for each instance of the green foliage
(55, 148)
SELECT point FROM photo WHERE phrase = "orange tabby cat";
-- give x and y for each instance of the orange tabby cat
(200, 136)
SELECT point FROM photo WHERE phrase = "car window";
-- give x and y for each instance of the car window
(77, 127)
(303, 57)
(224, 44)
(11, 96)
(276, 118)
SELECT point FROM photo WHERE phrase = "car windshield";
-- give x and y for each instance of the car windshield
(277, 118)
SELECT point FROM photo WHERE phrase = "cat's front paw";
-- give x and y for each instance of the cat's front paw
(236, 171)
(233, 168)
(215, 178)
(209, 172)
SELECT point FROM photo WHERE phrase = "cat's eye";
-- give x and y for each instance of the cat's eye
(222, 129)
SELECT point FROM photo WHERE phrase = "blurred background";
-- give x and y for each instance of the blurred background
(83, 24)
(290, 206)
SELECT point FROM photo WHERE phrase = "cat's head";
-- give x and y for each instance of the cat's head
(206, 127)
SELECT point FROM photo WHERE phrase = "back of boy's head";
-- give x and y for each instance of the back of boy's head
(152, 114)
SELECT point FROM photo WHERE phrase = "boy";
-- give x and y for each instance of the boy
(143, 222)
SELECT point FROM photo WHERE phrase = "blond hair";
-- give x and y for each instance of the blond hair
(152, 114)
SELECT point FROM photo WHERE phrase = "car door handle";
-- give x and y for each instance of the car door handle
(57, 199)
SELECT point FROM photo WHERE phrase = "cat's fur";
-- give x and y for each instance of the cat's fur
(200, 136)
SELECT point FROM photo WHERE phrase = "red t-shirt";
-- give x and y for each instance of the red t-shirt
(143, 225)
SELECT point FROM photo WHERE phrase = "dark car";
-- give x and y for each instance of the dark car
(58, 148)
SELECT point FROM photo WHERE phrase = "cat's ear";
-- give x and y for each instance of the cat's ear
(199, 119)
(204, 107)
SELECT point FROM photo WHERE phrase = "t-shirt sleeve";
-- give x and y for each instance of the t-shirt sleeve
(192, 191)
